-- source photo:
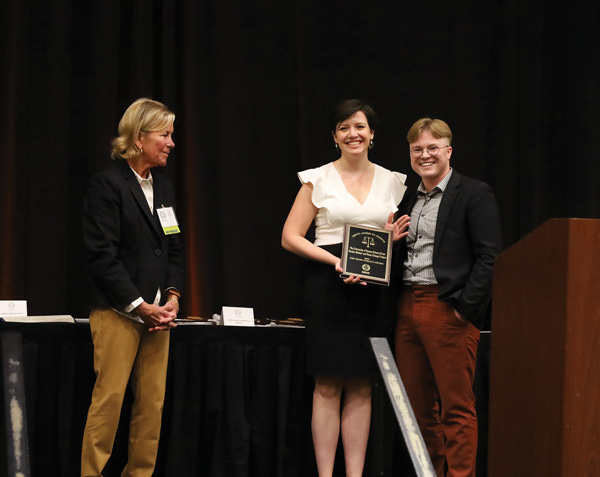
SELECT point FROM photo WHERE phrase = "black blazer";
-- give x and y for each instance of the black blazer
(127, 252)
(467, 240)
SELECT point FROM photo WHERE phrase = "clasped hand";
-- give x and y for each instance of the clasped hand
(156, 317)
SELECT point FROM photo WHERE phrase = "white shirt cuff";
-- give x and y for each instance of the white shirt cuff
(133, 305)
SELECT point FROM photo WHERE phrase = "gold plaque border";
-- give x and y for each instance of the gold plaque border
(348, 230)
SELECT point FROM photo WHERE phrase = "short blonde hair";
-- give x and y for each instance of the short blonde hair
(438, 129)
(143, 115)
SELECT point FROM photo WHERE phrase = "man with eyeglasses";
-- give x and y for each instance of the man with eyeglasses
(443, 278)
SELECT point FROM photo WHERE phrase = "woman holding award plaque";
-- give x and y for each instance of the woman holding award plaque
(341, 313)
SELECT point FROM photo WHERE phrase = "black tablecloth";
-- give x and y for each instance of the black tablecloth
(238, 403)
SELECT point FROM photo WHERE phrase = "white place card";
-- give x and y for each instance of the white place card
(237, 316)
(13, 308)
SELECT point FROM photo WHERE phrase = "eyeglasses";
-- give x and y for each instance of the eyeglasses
(432, 150)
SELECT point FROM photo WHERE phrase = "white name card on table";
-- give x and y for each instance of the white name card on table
(237, 316)
(10, 308)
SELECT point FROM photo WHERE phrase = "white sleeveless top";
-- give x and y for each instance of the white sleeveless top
(338, 207)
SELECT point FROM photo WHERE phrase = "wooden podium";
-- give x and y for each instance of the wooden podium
(544, 417)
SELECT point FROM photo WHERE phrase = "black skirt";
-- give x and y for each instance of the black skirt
(340, 319)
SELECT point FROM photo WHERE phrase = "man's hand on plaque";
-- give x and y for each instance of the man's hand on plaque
(399, 228)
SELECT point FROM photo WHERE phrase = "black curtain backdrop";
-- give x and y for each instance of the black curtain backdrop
(252, 83)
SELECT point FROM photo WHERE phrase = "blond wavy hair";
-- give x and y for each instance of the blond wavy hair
(143, 115)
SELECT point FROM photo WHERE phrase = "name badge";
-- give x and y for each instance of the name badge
(168, 221)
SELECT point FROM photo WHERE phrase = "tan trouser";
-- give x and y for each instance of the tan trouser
(124, 348)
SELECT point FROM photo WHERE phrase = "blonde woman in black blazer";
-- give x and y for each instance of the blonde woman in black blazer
(137, 269)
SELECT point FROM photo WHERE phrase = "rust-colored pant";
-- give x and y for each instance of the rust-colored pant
(436, 354)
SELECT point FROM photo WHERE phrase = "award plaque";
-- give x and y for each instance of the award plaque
(367, 253)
